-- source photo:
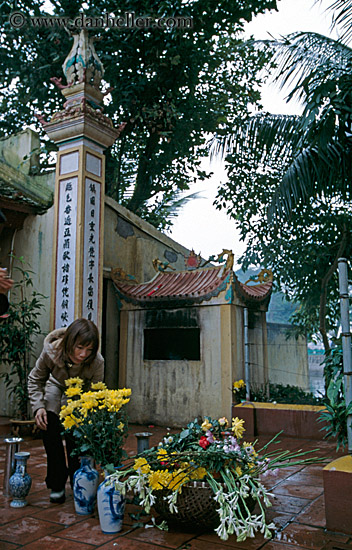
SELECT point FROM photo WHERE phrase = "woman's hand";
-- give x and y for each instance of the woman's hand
(5, 282)
(41, 419)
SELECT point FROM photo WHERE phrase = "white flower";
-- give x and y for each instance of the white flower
(221, 531)
(171, 500)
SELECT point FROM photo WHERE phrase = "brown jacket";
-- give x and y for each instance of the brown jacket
(46, 381)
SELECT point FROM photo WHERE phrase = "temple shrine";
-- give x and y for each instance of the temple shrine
(182, 339)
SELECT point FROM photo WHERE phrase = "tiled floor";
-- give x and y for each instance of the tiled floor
(297, 510)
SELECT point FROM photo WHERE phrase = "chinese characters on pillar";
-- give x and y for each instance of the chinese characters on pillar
(91, 250)
(66, 253)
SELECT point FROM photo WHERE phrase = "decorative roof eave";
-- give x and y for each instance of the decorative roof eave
(254, 294)
(176, 288)
(170, 288)
(17, 187)
(173, 301)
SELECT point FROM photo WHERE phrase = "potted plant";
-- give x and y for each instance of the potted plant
(18, 332)
(206, 477)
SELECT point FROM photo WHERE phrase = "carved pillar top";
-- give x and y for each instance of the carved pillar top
(82, 63)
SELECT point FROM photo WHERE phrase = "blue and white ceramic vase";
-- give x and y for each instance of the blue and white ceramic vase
(20, 482)
(111, 507)
(85, 485)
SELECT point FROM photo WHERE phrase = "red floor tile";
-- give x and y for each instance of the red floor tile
(8, 546)
(87, 531)
(288, 504)
(167, 539)
(312, 538)
(63, 514)
(273, 545)
(14, 514)
(303, 478)
(54, 543)
(40, 499)
(201, 544)
(124, 543)
(299, 519)
(301, 490)
(314, 514)
(26, 530)
(279, 518)
(231, 542)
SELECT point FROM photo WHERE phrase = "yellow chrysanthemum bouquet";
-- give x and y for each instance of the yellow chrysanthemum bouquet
(210, 452)
(97, 419)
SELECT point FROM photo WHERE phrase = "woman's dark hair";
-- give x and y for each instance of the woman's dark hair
(80, 332)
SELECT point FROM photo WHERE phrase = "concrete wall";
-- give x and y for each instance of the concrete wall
(175, 392)
(288, 358)
(132, 243)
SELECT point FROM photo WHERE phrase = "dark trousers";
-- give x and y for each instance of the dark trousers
(58, 469)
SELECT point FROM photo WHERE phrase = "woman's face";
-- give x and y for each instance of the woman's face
(81, 353)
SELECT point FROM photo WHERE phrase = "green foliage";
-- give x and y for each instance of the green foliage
(102, 439)
(17, 337)
(280, 393)
(289, 188)
(171, 86)
(336, 412)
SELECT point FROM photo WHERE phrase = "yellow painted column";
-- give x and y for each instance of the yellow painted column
(82, 133)
(226, 360)
(78, 235)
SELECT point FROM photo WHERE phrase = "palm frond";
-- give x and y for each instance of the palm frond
(273, 135)
(305, 60)
(342, 15)
(175, 206)
(314, 172)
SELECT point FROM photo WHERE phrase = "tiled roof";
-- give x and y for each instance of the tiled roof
(179, 284)
(255, 292)
(194, 286)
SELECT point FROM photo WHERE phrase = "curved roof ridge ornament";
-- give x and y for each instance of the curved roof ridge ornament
(229, 261)
(230, 258)
(264, 276)
(161, 266)
(193, 260)
(119, 275)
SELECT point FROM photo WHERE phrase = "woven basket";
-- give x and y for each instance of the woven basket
(195, 504)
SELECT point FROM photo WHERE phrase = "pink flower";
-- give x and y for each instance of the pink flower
(210, 436)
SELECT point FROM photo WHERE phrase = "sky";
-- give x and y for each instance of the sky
(199, 225)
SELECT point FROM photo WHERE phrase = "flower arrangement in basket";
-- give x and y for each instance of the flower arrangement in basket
(97, 420)
(208, 463)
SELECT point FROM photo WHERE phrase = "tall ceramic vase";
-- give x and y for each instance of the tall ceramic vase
(20, 482)
(111, 507)
(85, 485)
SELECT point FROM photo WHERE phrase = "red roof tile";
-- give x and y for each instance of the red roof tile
(192, 285)
(259, 291)
(179, 284)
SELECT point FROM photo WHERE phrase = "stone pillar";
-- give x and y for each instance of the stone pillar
(82, 133)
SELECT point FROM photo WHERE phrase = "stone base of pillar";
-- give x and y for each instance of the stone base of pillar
(337, 478)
